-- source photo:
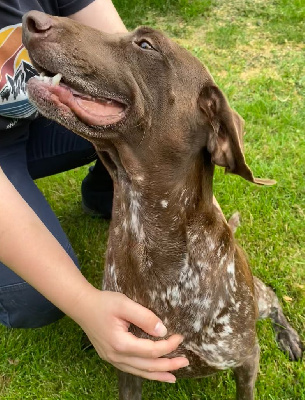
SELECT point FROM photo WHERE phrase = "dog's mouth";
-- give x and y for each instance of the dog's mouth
(56, 93)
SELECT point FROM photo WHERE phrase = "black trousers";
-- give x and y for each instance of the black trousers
(46, 148)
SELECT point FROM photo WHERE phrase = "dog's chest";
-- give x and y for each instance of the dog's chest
(188, 278)
(200, 304)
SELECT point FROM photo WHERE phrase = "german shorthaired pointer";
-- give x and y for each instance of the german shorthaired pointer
(160, 124)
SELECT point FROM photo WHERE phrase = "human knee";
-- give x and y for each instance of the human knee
(21, 306)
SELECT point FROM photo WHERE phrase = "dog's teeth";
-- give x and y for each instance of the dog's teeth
(40, 76)
(56, 79)
(46, 79)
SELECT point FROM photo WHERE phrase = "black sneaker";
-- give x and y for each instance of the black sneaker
(97, 192)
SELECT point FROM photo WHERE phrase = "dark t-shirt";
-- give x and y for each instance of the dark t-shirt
(15, 66)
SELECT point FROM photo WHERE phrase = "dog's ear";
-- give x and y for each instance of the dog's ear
(225, 142)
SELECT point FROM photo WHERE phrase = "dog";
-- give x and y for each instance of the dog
(160, 124)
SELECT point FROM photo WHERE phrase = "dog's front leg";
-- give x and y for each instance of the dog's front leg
(245, 376)
(130, 387)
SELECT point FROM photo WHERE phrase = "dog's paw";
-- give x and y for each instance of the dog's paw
(290, 342)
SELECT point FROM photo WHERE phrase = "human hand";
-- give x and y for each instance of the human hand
(106, 316)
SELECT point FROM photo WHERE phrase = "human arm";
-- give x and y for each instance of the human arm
(102, 15)
(30, 250)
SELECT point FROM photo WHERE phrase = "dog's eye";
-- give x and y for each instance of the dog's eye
(145, 45)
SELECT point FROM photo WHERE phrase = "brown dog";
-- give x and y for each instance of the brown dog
(159, 123)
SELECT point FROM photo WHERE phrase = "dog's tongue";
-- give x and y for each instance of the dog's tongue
(97, 112)
(98, 107)
(89, 110)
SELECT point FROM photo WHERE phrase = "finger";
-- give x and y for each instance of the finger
(154, 376)
(142, 317)
(146, 348)
(157, 365)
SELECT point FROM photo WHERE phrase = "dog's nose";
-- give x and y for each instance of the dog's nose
(35, 24)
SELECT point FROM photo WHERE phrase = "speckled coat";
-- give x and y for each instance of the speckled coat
(170, 248)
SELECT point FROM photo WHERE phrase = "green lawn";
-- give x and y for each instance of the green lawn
(256, 53)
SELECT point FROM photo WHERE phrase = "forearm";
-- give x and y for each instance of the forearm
(30, 250)
(102, 15)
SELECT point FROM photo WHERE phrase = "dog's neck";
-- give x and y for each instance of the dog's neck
(162, 193)
(176, 187)
(157, 207)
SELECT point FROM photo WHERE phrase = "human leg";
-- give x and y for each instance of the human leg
(45, 150)
(20, 304)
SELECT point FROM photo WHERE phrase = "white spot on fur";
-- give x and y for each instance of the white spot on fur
(231, 272)
(197, 325)
(222, 260)
(231, 268)
(173, 295)
(113, 276)
(139, 178)
(164, 203)
(202, 265)
(182, 193)
(219, 249)
(209, 347)
(153, 295)
(193, 281)
(210, 243)
(212, 354)
(225, 319)
(206, 302)
(125, 225)
(193, 238)
(135, 224)
(184, 269)
(163, 296)
(221, 304)
(237, 306)
(209, 332)
(227, 330)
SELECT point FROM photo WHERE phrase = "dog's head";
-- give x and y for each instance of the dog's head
(138, 89)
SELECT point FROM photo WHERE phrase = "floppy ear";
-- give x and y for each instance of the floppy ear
(225, 142)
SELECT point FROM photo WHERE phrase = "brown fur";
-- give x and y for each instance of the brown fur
(169, 248)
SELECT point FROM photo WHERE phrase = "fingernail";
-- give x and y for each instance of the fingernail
(173, 380)
(181, 340)
(185, 363)
(160, 329)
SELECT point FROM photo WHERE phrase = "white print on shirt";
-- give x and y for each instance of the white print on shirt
(15, 70)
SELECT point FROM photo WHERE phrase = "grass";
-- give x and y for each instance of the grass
(255, 51)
